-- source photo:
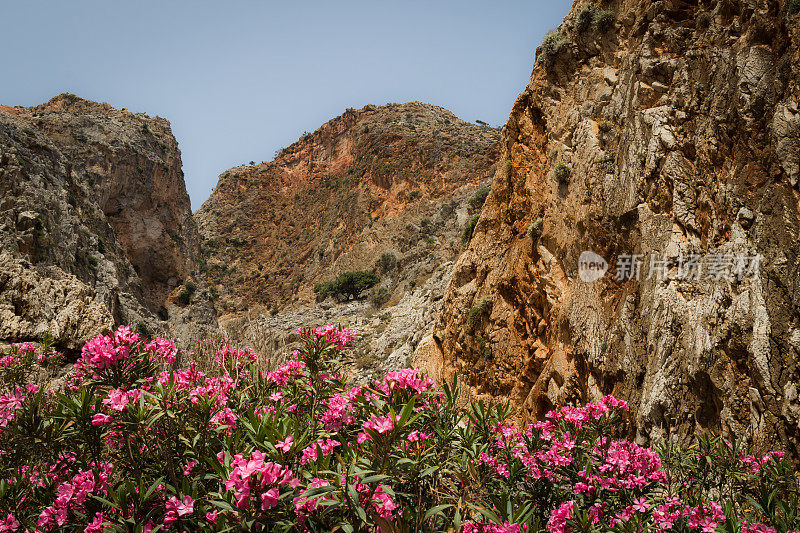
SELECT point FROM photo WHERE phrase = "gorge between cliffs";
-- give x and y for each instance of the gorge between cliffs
(650, 133)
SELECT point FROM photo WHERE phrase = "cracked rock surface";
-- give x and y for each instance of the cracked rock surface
(680, 125)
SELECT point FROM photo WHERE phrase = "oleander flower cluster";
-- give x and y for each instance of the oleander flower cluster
(142, 438)
(26, 357)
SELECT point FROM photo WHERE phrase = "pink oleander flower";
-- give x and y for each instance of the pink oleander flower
(229, 356)
(101, 419)
(383, 503)
(379, 424)
(9, 523)
(418, 436)
(95, 526)
(286, 444)
(559, 517)
(303, 505)
(287, 372)
(224, 417)
(176, 509)
(118, 399)
(341, 408)
(24, 348)
(162, 349)
(340, 338)
(491, 527)
(256, 477)
(103, 351)
(406, 379)
(9, 361)
(187, 470)
(748, 527)
(72, 494)
(325, 445)
(640, 505)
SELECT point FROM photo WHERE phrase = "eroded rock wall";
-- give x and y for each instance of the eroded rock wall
(94, 206)
(396, 179)
(681, 128)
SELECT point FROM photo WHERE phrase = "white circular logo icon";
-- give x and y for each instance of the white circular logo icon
(591, 266)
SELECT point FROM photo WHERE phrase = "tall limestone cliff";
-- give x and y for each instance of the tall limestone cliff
(668, 129)
(97, 226)
(399, 180)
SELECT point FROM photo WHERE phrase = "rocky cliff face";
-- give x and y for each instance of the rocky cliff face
(668, 129)
(94, 210)
(395, 179)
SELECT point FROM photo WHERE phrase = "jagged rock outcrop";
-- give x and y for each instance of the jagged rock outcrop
(39, 302)
(395, 179)
(94, 206)
(672, 132)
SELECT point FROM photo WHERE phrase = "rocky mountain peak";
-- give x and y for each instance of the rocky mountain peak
(98, 195)
(272, 230)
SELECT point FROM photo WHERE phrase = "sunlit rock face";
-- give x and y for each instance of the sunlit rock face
(94, 201)
(679, 129)
(397, 180)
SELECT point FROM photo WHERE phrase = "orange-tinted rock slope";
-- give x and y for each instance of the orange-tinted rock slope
(371, 181)
(666, 129)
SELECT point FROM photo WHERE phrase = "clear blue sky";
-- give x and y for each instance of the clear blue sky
(240, 79)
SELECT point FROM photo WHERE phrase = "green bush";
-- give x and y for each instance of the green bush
(478, 199)
(552, 45)
(561, 172)
(484, 347)
(608, 161)
(466, 236)
(185, 296)
(380, 297)
(592, 17)
(413, 195)
(175, 236)
(483, 307)
(604, 20)
(585, 18)
(386, 263)
(535, 229)
(347, 285)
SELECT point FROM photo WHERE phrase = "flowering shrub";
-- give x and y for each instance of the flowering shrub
(26, 357)
(130, 443)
